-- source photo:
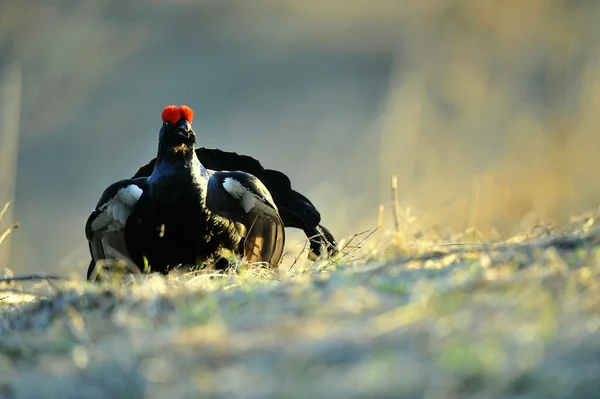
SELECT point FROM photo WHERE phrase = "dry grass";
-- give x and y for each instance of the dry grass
(512, 319)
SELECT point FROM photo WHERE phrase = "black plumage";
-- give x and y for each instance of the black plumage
(295, 209)
(179, 214)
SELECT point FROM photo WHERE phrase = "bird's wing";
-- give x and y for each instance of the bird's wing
(295, 209)
(244, 199)
(105, 227)
(216, 159)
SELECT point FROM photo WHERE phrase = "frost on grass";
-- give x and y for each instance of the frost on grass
(511, 319)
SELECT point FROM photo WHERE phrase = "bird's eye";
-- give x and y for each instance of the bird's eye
(168, 124)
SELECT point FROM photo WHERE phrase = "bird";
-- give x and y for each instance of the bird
(295, 210)
(183, 213)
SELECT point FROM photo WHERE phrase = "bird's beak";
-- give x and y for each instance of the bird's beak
(185, 129)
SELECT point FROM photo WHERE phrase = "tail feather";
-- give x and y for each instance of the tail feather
(297, 211)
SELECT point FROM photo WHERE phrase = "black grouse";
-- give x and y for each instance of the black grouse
(182, 213)
(295, 209)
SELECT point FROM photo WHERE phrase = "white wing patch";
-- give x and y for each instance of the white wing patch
(238, 191)
(116, 210)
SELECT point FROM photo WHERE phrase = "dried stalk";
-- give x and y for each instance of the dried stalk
(8, 231)
(380, 216)
(395, 203)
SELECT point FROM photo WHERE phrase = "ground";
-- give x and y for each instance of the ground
(514, 319)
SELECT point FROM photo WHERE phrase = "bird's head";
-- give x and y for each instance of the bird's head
(176, 134)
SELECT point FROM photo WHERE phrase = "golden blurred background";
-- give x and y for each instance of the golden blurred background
(451, 96)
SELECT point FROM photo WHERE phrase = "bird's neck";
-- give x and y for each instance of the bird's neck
(176, 155)
(176, 163)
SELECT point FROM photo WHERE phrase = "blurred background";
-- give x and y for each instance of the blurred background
(466, 101)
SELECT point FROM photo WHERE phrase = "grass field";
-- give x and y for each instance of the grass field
(515, 319)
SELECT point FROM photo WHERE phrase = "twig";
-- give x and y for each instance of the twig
(341, 250)
(354, 248)
(3, 211)
(358, 246)
(353, 237)
(380, 216)
(395, 202)
(452, 244)
(34, 276)
(297, 257)
(8, 231)
(305, 241)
